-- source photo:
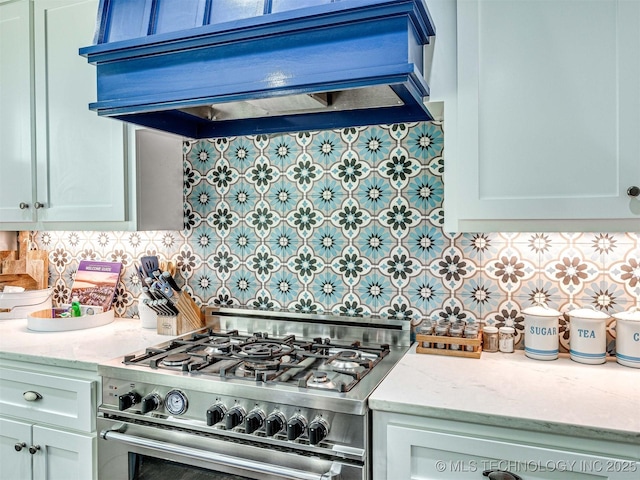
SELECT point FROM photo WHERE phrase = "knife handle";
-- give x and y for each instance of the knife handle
(171, 281)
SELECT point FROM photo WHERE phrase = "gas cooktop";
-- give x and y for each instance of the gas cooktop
(316, 363)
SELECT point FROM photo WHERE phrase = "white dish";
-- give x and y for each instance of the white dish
(15, 305)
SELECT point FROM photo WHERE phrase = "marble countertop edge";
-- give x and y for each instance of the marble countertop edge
(520, 423)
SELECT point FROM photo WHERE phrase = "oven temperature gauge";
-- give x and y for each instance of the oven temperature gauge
(176, 402)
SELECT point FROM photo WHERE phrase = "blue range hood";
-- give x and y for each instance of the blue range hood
(218, 68)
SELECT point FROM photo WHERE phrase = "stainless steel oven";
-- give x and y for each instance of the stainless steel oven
(255, 395)
(137, 452)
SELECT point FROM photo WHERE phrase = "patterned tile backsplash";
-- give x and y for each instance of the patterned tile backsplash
(350, 221)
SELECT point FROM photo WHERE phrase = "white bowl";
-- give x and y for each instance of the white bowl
(15, 305)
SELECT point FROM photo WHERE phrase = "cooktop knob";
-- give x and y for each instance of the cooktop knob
(234, 417)
(318, 430)
(150, 403)
(128, 400)
(254, 420)
(295, 427)
(216, 413)
(274, 423)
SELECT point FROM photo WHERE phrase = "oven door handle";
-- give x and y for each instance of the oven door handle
(220, 459)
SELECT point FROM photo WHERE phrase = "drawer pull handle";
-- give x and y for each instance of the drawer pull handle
(33, 449)
(500, 475)
(31, 396)
(19, 446)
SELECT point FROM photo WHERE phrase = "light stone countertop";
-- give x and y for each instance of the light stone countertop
(510, 390)
(514, 391)
(79, 349)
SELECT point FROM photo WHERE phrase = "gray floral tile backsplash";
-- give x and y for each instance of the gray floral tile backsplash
(350, 221)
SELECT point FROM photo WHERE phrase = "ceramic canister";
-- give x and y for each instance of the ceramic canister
(588, 335)
(148, 318)
(628, 337)
(541, 332)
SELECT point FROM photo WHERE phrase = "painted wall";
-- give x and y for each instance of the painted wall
(350, 221)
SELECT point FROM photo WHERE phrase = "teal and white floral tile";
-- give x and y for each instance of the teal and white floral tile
(350, 221)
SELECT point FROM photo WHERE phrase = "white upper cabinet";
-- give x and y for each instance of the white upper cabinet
(545, 126)
(80, 167)
(62, 166)
(16, 149)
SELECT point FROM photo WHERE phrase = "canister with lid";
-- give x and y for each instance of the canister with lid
(490, 339)
(588, 335)
(506, 339)
(541, 332)
(628, 337)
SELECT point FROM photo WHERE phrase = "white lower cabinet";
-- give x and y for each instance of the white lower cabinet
(34, 452)
(47, 424)
(410, 447)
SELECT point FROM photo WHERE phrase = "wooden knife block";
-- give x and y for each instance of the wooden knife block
(190, 317)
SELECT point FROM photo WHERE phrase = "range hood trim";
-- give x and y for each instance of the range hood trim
(272, 24)
(182, 123)
(398, 26)
(150, 103)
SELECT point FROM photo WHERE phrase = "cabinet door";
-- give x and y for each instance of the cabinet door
(80, 156)
(16, 169)
(548, 115)
(63, 455)
(421, 454)
(15, 464)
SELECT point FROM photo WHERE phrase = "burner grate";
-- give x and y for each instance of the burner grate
(316, 363)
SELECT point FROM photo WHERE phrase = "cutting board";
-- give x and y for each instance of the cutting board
(27, 268)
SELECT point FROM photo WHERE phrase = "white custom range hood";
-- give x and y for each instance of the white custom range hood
(214, 68)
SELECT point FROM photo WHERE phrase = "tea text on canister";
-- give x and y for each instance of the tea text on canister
(586, 333)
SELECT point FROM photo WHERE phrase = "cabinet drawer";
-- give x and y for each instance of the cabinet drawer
(422, 454)
(65, 402)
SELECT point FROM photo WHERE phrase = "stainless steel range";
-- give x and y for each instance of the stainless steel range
(255, 395)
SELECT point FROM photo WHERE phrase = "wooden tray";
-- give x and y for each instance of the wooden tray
(476, 343)
(43, 321)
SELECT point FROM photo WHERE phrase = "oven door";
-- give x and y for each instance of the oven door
(139, 452)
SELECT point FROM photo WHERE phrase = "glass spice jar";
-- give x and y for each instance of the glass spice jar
(442, 330)
(425, 328)
(506, 339)
(490, 339)
(470, 331)
(456, 330)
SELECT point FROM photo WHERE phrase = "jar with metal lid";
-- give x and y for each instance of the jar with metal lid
(441, 331)
(456, 330)
(490, 339)
(506, 339)
(425, 328)
(470, 331)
